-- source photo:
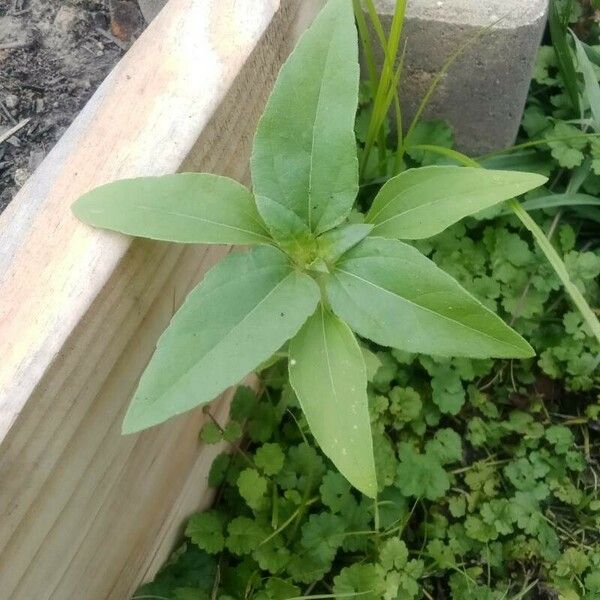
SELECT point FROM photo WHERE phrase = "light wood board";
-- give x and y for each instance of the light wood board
(86, 513)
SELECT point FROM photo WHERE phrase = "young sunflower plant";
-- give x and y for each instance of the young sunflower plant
(314, 275)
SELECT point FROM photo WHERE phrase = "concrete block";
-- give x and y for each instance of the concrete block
(150, 8)
(483, 95)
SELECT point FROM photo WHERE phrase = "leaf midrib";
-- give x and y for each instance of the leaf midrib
(329, 369)
(412, 188)
(234, 327)
(449, 198)
(161, 211)
(314, 125)
(424, 308)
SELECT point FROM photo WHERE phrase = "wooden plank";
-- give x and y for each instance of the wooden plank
(84, 511)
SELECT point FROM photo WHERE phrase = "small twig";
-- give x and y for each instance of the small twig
(216, 583)
(15, 45)
(7, 114)
(111, 38)
(236, 447)
(13, 130)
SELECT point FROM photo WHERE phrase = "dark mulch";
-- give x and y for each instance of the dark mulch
(53, 55)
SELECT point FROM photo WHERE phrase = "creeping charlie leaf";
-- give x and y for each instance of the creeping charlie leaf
(327, 372)
(240, 314)
(304, 155)
(422, 202)
(389, 292)
(194, 208)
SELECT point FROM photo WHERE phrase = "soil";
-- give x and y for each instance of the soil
(53, 55)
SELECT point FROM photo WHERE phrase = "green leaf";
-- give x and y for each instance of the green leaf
(559, 267)
(284, 224)
(187, 567)
(358, 580)
(322, 535)
(206, 531)
(303, 469)
(244, 310)
(269, 458)
(243, 404)
(190, 594)
(545, 62)
(560, 437)
(555, 200)
(389, 292)
(567, 143)
(218, 470)
(211, 434)
(559, 35)
(393, 554)
(232, 432)
(252, 487)
(187, 208)
(590, 80)
(428, 133)
(279, 589)
(446, 446)
(304, 155)
(420, 203)
(244, 535)
(336, 494)
(420, 475)
(328, 374)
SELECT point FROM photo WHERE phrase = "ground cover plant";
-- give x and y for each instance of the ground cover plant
(486, 470)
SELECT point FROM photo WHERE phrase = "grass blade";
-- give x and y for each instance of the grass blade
(389, 78)
(440, 74)
(534, 143)
(559, 267)
(551, 255)
(556, 200)
(591, 87)
(558, 25)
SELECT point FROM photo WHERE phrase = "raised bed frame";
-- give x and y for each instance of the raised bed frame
(86, 513)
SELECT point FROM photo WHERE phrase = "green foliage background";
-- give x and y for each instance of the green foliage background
(488, 469)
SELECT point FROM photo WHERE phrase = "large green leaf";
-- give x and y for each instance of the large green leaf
(304, 155)
(328, 374)
(186, 208)
(389, 292)
(420, 203)
(239, 315)
(590, 81)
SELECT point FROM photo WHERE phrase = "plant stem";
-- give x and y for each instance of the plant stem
(559, 266)
(533, 143)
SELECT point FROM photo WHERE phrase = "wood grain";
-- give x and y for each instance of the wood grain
(84, 511)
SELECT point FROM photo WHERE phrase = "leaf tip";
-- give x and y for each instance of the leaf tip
(527, 350)
(136, 419)
(539, 179)
(129, 426)
(521, 348)
(370, 488)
